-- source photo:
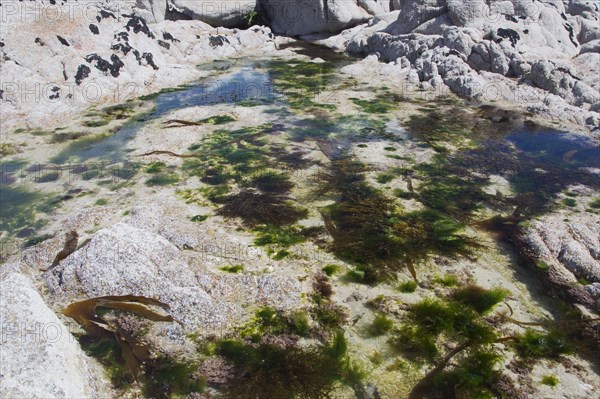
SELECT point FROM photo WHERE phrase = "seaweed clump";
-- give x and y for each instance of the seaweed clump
(285, 370)
(372, 231)
(467, 369)
(256, 208)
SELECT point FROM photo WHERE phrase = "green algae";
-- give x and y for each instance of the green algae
(330, 269)
(550, 380)
(154, 95)
(234, 269)
(101, 202)
(267, 370)
(217, 120)
(384, 178)
(302, 82)
(199, 218)
(21, 207)
(278, 239)
(533, 344)
(381, 325)
(162, 179)
(407, 287)
(155, 167)
(382, 104)
(480, 299)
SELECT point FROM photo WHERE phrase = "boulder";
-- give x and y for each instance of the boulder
(224, 13)
(127, 260)
(303, 17)
(40, 358)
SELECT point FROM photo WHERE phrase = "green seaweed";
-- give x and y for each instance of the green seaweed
(199, 218)
(550, 380)
(267, 371)
(234, 269)
(381, 325)
(217, 120)
(382, 104)
(20, 208)
(407, 287)
(480, 299)
(533, 344)
(331, 269)
(162, 179)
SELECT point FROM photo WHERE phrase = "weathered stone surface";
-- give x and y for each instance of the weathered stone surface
(39, 358)
(127, 260)
(304, 17)
(544, 44)
(127, 57)
(574, 244)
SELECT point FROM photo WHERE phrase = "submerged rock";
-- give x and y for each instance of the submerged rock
(40, 358)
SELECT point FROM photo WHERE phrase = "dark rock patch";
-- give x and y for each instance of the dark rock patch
(56, 91)
(168, 36)
(164, 44)
(217, 41)
(105, 14)
(569, 29)
(137, 25)
(509, 34)
(94, 29)
(105, 66)
(63, 41)
(82, 72)
(150, 60)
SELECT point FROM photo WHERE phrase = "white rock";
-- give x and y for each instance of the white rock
(127, 260)
(40, 358)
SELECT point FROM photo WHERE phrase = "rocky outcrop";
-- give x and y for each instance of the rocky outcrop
(545, 45)
(574, 243)
(303, 17)
(121, 57)
(40, 358)
(225, 13)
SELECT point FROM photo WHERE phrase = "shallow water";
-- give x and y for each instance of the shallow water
(293, 91)
(414, 195)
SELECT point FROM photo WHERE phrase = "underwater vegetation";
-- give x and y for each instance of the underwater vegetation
(269, 370)
(457, 335)
(278, 239)
(102, 117)
(380, 105)
(259, 208)
(451, 187)
(372, 231)
(302, 82)
(20, 208)
(467, 369)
